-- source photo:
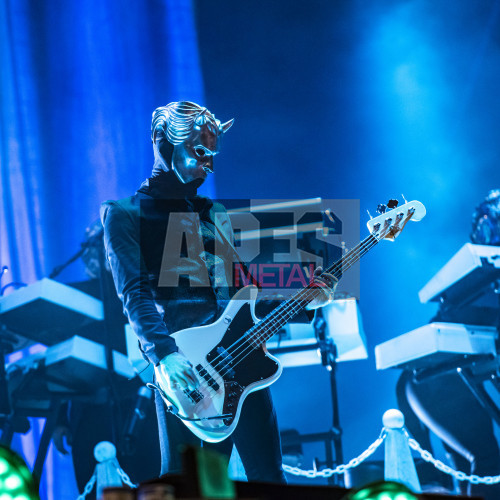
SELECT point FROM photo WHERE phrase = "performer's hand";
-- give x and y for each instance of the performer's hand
(327, 284)
(61, 432)
(176, 369)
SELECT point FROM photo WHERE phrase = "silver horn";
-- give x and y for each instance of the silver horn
(226, 126)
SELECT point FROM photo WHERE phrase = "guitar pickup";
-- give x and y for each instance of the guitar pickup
(195, 396)
(209, 379)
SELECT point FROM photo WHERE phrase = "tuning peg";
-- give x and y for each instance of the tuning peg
(392, 204)
(381, 209)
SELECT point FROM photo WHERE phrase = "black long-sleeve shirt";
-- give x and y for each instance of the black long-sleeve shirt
(167, 282)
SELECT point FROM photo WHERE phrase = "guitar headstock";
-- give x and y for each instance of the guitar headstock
(392, 219)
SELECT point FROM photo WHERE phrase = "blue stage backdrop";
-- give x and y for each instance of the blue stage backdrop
(364, 100)
(79, 81)
(339, 99)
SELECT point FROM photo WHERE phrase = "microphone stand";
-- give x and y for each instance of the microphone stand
(328, 351)
(92, 241)
(332, 438)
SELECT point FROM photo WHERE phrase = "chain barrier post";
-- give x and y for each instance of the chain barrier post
(107, 468)
(398, 462)
(107, 472)
(399, 465)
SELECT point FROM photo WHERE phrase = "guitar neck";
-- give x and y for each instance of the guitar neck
(286, 311)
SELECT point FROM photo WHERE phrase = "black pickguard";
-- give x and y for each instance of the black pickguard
(240, 365)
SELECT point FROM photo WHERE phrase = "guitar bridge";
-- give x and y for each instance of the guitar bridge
(195, 396)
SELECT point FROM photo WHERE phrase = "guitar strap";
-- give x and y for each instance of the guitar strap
(236, 259)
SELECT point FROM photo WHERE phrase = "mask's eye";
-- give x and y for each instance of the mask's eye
(200, 152)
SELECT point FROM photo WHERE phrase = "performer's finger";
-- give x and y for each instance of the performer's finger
(318, 271)
(192, 378)
(180, 382)
(329, 279)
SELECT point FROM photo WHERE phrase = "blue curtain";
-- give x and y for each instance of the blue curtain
(78, 84)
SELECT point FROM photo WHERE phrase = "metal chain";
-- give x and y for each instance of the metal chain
(88, 487)
(340, 469)
(459, 475)
(125, 479)
(123, 475)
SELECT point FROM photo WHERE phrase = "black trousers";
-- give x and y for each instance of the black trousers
(256, 438)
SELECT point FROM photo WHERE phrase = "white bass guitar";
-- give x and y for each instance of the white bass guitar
(230, 356)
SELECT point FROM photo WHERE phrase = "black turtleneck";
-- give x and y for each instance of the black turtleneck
(163, 184)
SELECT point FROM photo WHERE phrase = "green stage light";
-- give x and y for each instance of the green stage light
(383, 490)
(4, 466)
(16, 481)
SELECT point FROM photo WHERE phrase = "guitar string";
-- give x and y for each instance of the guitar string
(290, 308)
(294, 309)
(340, 263)
(280, 315)
(354, 255)
(251, 348)
(265, 322)
(295, 304)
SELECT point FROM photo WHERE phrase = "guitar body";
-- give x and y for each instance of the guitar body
(227, 373)
(229, 356)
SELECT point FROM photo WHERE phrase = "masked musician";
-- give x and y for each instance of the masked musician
(166, 287)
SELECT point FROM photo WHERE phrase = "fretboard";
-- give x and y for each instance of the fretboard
(288, 309)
